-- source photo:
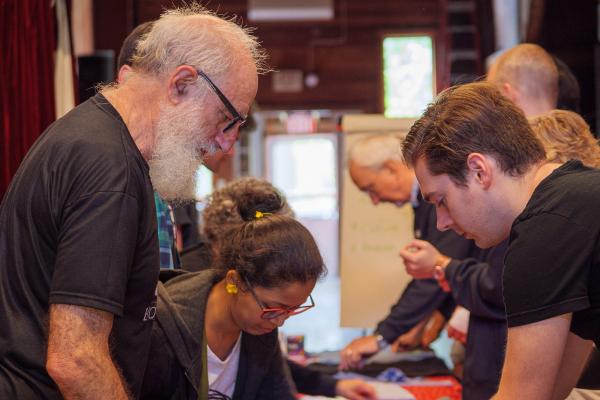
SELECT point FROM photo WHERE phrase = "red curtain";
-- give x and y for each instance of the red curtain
(27, 43)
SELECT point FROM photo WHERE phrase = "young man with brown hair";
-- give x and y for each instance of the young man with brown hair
(478, 161)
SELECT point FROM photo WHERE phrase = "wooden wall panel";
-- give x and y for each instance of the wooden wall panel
(346, 51)
(569, 31)
(113, 20)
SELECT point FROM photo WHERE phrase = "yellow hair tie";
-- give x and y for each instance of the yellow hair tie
(259, 215)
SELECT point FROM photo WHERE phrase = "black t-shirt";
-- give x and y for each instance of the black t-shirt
(552, 265)
(77, 226)
(186, 215)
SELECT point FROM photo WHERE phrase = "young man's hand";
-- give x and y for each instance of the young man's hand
(421, 257)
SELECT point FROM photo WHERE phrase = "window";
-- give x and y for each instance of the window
(204, 182)
(408, 77)
(305, 168)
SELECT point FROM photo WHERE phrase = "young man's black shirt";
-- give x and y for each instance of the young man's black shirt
(552, 266)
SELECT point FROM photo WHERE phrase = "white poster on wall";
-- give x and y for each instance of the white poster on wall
(372, 273)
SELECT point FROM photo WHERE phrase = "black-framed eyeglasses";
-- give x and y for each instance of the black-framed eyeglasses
(237, 117)
(276, 312)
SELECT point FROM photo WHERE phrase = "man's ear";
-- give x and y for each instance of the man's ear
(399, 169)
(510, 92)
(480, 169)
(122, 74)
(180, 81)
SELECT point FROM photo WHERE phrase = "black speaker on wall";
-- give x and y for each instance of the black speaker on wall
(95, 69)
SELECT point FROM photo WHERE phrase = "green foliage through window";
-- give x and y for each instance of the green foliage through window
(407, 75)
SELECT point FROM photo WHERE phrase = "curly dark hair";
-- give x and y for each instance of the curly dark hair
(227, 208)
(272, 251)
(268, 251)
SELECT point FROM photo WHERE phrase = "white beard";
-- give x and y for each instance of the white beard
(181, 140)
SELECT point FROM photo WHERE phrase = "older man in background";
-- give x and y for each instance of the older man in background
(376, 168)
(78, 246)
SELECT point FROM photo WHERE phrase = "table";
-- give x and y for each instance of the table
(436, 392)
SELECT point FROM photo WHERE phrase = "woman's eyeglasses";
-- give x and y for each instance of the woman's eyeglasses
(276, 312)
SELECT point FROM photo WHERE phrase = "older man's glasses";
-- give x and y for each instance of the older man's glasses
(276, 312)
(237, 117)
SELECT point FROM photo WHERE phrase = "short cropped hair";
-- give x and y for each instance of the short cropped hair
(530, 68)
(566, 135)
(374, 150)
(130, 43)
(192, 35)
(472, 118)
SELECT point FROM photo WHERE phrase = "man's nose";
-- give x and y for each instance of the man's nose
(231, 151)
(374, 198)
(226, 140)
(444, 221)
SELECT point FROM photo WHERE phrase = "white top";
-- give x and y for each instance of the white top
(223, 373)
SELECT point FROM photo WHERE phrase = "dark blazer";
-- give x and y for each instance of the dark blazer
(477, 286)
(312, 382)
(175, 363)
(423, 296)
(475, 277)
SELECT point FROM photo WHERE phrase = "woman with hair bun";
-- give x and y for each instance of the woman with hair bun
(229, 207)
(255, 258)
(215, 334)
(222, 215)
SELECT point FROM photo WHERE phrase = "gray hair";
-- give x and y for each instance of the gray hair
(193, 35)
(374, 150)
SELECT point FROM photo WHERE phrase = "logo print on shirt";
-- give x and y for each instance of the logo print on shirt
(150, 312)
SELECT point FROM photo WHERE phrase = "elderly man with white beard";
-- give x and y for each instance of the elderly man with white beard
(78, 245)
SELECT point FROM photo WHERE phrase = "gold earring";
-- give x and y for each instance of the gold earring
(231, 288)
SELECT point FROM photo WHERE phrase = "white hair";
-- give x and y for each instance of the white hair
(374, 150)
(193, 35)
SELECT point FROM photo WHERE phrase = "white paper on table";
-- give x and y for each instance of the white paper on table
(309, 397)
(391, 391)
(427, 382)
(460, 320)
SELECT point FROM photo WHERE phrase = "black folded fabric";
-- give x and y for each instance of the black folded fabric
(432, 366)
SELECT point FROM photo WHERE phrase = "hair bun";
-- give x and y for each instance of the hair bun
(251, 203)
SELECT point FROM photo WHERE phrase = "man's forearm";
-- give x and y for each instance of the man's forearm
(78, 356)
(89, 379)
(419, 300)
(533, 359)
